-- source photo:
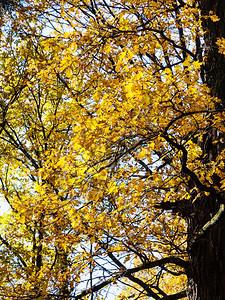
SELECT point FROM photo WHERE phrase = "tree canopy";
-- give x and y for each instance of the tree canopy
(111, 146)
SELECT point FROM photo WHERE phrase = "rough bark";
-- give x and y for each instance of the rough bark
(206, 273)
(214, 64)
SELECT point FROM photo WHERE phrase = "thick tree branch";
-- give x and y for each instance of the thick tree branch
(128, 274)
(208, 225)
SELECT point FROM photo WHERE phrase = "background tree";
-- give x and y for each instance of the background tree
(112, 150)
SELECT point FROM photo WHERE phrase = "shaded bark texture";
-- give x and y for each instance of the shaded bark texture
(206, 273)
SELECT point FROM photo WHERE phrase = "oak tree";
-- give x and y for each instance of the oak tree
(112, 150)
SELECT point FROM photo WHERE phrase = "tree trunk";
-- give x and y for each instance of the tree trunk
(206, 273)
(214, 65)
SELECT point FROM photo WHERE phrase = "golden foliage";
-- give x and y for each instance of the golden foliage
(99, 102)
